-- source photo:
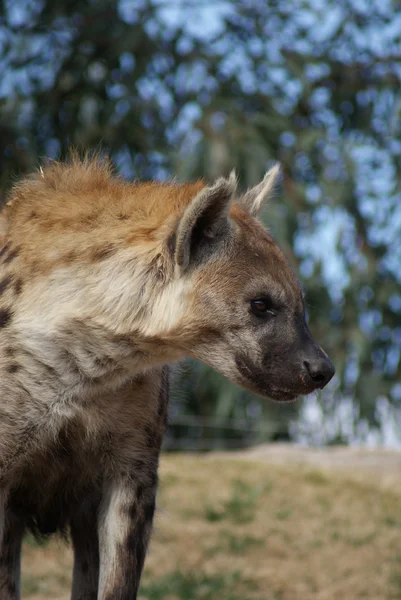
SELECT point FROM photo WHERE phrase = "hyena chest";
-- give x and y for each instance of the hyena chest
(61, 480)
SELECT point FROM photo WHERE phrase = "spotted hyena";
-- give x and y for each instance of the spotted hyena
(102, 283)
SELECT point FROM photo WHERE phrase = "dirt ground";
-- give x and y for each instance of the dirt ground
(276, 522)
(383, 465)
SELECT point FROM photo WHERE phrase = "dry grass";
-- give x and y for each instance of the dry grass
(241, 530)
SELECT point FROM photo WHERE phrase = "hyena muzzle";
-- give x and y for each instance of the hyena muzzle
(102, 283)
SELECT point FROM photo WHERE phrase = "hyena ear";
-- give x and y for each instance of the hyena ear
(253, 199)
(205, 217)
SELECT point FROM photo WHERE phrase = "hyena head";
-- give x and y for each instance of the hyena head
(174, 269)
(245, 312)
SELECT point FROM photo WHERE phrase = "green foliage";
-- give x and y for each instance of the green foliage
(241, 506)
(233, 543)
(283, 514)
(194, 587)
(316, 478)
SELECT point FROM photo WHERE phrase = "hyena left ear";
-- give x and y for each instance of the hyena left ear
(252, 201)
(204, 218)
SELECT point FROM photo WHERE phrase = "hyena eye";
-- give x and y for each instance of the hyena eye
(262, 307)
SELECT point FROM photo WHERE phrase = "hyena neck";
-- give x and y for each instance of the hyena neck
(88, 324)
(87, 328)
(79, 360)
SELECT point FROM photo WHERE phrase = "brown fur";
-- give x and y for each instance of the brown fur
(102, 282)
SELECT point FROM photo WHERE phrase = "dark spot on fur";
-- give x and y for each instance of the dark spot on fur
(164, 394)
(70, 256)
(4, 250)
(131, 542)
(5, 282)
(13, 368)
(146, 470)
(5, 316)
(139, 494)
(139, 379)
(151, 438)
(119, 591)
(132, 512)
(140, 547)
(33, 215)
(35, 266)
(90, 218)
(171, 243)
(136, 544)
(84, 567)
(105, 362)
(18, 286)
(12, 589)
(103, 252)
(161, 408)
(153, 478)
(123, 217)
(144, 493)
(51, 371)
(149, 511)
(13, 254)
(9, 351)
(139, 466)
(63, 448)
(7, 539)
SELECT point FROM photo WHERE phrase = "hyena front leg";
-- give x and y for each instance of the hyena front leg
(10, 557)
(124, 531)
(84, 535)
(128, 502)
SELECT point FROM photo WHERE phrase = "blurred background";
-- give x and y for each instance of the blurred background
(194, 88)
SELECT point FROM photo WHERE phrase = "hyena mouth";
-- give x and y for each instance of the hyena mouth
(282, 395)
(279, 395)
(255, 380)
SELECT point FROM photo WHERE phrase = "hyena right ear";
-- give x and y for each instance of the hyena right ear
(254, 198)
(204, 218)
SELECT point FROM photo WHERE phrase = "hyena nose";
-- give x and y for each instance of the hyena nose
(320, 369)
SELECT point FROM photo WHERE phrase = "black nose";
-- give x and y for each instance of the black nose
(320, 369)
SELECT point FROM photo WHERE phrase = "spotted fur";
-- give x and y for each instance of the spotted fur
(102, 283)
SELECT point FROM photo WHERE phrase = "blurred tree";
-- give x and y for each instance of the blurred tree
(194, 89)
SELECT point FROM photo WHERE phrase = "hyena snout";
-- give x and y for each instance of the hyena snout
(306, 367)
(317, 367)
(300, 372)
(286, 372)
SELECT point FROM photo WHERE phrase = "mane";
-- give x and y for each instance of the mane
(76, 175)
(81, 188)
